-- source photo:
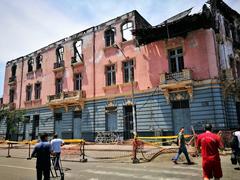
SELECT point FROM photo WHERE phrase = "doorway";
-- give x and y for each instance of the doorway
(35, 126)
(77, 118)
(127, 122)
(181, 116)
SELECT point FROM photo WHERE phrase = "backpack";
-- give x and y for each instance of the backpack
(177, 140)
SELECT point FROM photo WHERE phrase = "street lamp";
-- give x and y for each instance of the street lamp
(133, 104)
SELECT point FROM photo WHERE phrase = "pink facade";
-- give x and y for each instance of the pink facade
(150, 61)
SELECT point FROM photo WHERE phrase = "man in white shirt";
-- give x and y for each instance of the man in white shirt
(237, 133)
(56, 148)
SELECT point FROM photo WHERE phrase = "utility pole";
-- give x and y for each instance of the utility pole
(133, 103)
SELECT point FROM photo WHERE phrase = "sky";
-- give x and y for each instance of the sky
(28, 25)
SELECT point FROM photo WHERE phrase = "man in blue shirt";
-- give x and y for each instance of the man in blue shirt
(42, 152)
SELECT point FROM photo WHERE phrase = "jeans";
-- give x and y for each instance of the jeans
(182, 149)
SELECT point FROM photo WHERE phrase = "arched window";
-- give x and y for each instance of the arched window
(109, 37)
(30, 65)
(39, 62)
(59, 53)
(127, 31)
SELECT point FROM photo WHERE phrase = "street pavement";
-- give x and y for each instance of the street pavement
(159, 169)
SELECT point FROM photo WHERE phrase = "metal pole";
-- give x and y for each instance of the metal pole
(133, 110)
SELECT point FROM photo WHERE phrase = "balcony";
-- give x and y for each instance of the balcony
(227, 74)
(179, 81)
(76, 62)
(65, 99)
(12, 80)
(58, 66)
(10, 106)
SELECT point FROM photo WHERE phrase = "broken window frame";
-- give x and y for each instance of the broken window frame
(110, 73)
(39, 62)
(11, 95)
(14, 70)
(30, 65)
(78, 51)
(37, 88)
(58, 86)
(126, 29)
(176, 59)
(128, 71)
(60, 54)
(78, 82)
(29, 92)
(227, 29)
(109, 36)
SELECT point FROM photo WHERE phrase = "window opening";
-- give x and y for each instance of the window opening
(39, 62)
(110, 75)
(109, 37)
(30, 65)
(77, 82)
(127, 31)
(78, 51)
(11, 95)
(58, 86)
(60, 52)
(28, 92)
(128, 68)
(37, 90)
(176, 62)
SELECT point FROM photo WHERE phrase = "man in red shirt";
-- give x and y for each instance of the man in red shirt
(210, 144)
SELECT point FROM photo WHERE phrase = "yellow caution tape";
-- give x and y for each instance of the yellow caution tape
(163, 137)
(36, 141)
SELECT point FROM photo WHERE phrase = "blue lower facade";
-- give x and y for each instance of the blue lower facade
(154, 115)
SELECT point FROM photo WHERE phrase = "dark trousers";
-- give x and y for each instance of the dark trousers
(56, 160)
(43, 171)
(182, 149)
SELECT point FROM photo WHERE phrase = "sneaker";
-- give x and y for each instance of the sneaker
(175, 161)
(190, 163)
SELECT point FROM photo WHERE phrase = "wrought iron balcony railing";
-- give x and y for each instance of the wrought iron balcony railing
(12, 79)
(76, 95)
(58, 64)
(166, 78)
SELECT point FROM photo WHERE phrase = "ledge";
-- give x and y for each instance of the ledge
(111, 87)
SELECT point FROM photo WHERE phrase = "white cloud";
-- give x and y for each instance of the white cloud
(28, 25)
